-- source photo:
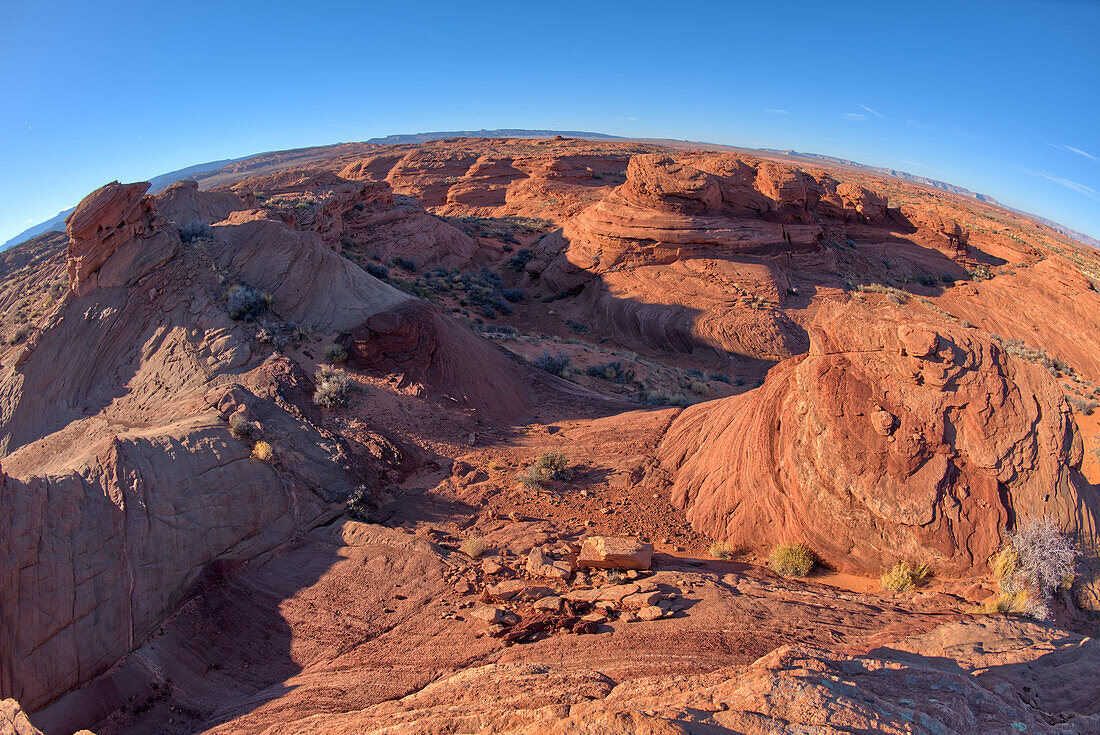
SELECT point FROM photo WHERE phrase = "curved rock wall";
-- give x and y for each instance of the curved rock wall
(886, 442)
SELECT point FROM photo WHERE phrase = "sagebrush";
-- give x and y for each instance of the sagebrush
(903, 577)
(791, 560)
(549, 466)
(333, 386)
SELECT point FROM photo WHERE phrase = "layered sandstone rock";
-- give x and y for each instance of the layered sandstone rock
(124, 482)
(889, 441)
(112, 217)
(356, 213)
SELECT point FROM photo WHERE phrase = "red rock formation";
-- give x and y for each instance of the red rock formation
(107, 219)
(427, 348)
(889, 441)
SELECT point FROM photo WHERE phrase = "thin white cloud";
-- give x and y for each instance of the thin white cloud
(876, 113)
(922, 126)
(1078, 151)
(775, 111)
(1068, 183)
(920, 165)
(854, 116)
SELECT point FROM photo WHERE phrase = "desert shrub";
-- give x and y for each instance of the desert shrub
(335, 353)
(358, 505)
(333, 386)
(699, 388)
(195, 230)
(721, 550)
(514, 295)
(981, 272)
(243, 429)
(547, 467)
(614, 576)
(1034, 562)
(263, 451)
(554, 364)
(474, 546)
(18, 335)
(719, 378)
(791, 560)
(522, 257)
(246, 303)
(378, 271)
(271, 334)
(664, 398)
(613, 371)
(577, 327)
(902, 577)
(1081, 405)
(403, 263)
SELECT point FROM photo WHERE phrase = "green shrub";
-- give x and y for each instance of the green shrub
(791, 560)
(546, 468)
(335, 353)
(195, 230)
(554, 364)
(403, 263)
(613, 371)
(902, 577)
(246, 303)
(380, 272)
(243, 429)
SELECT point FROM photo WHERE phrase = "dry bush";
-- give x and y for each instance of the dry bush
(902, 577)
(359, 505)
(549, 466)
(335, 354)
(721, 550)
(791, 560)
(263, 451)
(246, 303)
(1034, 562)
(333, 386)
(474, 546)
(243, 429)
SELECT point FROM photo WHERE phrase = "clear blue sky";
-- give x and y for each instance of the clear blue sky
(1000, 97)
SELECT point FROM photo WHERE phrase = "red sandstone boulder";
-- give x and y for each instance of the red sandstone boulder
(885, 443)
(107, 219)
(607, 552)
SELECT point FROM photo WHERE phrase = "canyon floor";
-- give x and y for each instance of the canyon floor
(723, 346)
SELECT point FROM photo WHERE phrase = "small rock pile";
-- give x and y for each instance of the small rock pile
(565, 588)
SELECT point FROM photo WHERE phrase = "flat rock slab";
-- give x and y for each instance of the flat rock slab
(610, 552)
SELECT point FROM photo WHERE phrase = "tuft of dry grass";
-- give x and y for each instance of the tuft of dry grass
(721, 550)
(474, 546)
(263, 451)
(902, 577)
(791, 560)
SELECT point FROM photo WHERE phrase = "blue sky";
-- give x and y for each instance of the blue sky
(999, 97)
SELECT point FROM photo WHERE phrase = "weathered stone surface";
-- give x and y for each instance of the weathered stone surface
(540, 565)
(606, 552)
(507, 589)
(885, 443)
